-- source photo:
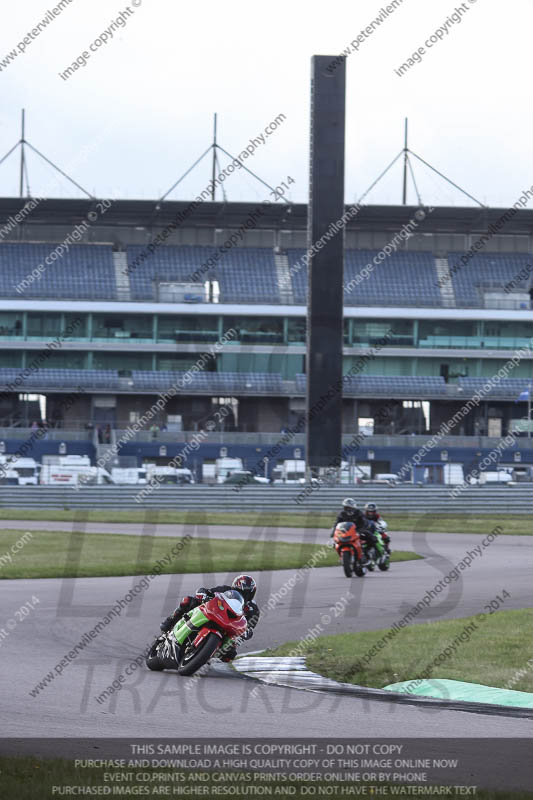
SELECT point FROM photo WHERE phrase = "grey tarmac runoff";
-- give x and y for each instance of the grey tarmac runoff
(221, 702)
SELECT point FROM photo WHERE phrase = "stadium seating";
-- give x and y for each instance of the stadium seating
(248, 274)
(209, 382)
(244, 274)
(84, 271)
(389, 385)
(507, 388)
(216, 383)
(486, 271)
(405, 279)
(167, 264)
(61, 378)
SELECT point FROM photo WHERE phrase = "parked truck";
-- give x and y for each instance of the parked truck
(24, 470)
(128, 475)
(219, 470)
(74, 470)
(289, 471)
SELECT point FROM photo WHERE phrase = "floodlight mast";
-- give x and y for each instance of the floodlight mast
(408, 166)
(214, 167)
(22, 143)
(22, 157)
(405, 162)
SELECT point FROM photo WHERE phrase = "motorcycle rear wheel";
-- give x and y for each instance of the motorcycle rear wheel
(359, 570)
(193, 660)
(347, 561)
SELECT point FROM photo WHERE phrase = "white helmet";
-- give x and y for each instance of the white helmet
(349, 502)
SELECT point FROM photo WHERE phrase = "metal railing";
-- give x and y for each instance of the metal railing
(256, 499)
(255, 438)
(50, 434)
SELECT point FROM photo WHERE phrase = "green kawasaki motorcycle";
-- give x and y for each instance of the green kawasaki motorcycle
(377, 555)
(199, 634)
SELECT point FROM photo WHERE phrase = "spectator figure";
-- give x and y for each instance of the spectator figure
(107, 437)
(34, 425)
(155, 431)
(99, 434)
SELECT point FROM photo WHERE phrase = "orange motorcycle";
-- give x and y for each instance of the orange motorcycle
(350, 549)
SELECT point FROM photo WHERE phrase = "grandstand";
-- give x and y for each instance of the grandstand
(249, 274)
(83, 271)
(486, 272)
(434, 322)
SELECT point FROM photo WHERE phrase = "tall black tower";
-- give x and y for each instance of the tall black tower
(325, 269)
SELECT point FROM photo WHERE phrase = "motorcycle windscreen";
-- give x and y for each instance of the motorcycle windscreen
(235, 601)
(345, 527)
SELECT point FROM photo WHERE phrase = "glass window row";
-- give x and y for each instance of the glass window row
(200, 329)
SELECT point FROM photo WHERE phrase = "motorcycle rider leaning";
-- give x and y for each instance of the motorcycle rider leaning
(351, 513)
(373, 516)
(244, 584)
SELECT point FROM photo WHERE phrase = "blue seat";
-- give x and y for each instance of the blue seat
(244, 274)
(486, 271)
(401, 279)
(85, 271)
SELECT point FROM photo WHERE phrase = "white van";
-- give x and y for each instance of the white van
(128, 475)
(290, 471)
(27, 470)
(168, 475)
(224, 467)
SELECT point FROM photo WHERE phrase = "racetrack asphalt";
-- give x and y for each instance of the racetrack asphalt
(222, 703)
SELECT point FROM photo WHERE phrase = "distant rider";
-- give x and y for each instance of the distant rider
(373, 516)
(351, 513)
(244, 584)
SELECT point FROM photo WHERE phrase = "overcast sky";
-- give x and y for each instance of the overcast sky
(143, 105)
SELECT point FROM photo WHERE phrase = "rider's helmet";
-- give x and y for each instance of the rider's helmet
(371, 511)
(349, 504)
(246, 585)
(202, 594)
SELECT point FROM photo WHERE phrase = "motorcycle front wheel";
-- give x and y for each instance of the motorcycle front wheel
(384, 565)
(196, 657)
(152, 659)
(347, 560)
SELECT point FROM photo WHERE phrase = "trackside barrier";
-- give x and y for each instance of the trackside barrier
(482, 500)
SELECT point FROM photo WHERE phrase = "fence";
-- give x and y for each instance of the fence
(262, 439)
(254, 499)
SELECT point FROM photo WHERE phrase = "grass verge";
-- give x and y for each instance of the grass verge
(494, 653)
(519, 524)
(32, 778)
(29, 778)
(56, 554)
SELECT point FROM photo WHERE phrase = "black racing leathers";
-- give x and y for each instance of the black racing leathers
(361, 523)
